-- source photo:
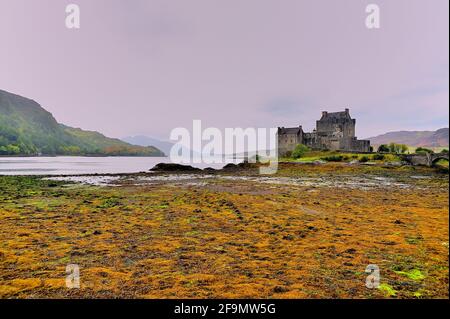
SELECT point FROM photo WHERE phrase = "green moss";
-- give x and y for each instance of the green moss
(110, 202)
(414, 274)
(418, 294)
(413, 240)
(388, 290)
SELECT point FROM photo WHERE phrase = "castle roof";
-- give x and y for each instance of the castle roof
(290, 130)
(336, 115)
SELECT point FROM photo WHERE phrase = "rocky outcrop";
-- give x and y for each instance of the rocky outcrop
(243, 165)
(171, 167)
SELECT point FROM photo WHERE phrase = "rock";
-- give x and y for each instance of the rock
(242, 165)
(394, 164)
(348, 264)
(350, 251)
(171, 167)
(209, 169)
(76, 253)
(230, 166)
(288, 237)
(369, 163)
(279, 289)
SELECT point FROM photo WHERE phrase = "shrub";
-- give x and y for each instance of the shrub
(383, 148)
(333, 158)
(299, 151)
(364, 159)
(378, 157)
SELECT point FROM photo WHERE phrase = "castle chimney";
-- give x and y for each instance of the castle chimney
(324, 113)
(347, 111)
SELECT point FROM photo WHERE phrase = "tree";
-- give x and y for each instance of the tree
(403, 148)
(383, 148)
(422, 150)
(397, 148)
(299, 151)
(392, 148)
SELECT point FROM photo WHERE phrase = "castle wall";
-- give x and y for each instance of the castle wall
(310, 140)
(288, 142)
(332, 126)
(356, 145)
(349, 128)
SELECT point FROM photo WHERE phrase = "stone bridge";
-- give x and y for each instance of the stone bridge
(425, 159)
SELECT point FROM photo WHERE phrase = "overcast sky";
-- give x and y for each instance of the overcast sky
(147, 66)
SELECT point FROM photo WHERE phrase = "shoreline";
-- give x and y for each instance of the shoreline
(241, 167)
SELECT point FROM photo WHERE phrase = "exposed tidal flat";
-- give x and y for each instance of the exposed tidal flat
(309, 231)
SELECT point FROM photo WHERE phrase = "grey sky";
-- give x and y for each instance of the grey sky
(147, 66)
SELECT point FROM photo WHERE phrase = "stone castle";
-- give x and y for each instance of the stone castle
(334, 131)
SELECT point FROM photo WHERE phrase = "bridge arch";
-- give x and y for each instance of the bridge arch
(437, 158)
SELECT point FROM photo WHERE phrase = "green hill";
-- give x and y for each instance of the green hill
(28, 129)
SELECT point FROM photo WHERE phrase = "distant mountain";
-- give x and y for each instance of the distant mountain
(439, 138)
(28, 129)
(162, 145)
(149, 141)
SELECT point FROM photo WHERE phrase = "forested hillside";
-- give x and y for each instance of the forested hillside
(28, 129)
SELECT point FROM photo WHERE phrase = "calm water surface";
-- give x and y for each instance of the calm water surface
(71, 165)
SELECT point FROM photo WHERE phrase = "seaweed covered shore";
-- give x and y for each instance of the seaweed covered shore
(309, 231)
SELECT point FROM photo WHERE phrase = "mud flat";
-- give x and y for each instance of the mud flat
(308, 231)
